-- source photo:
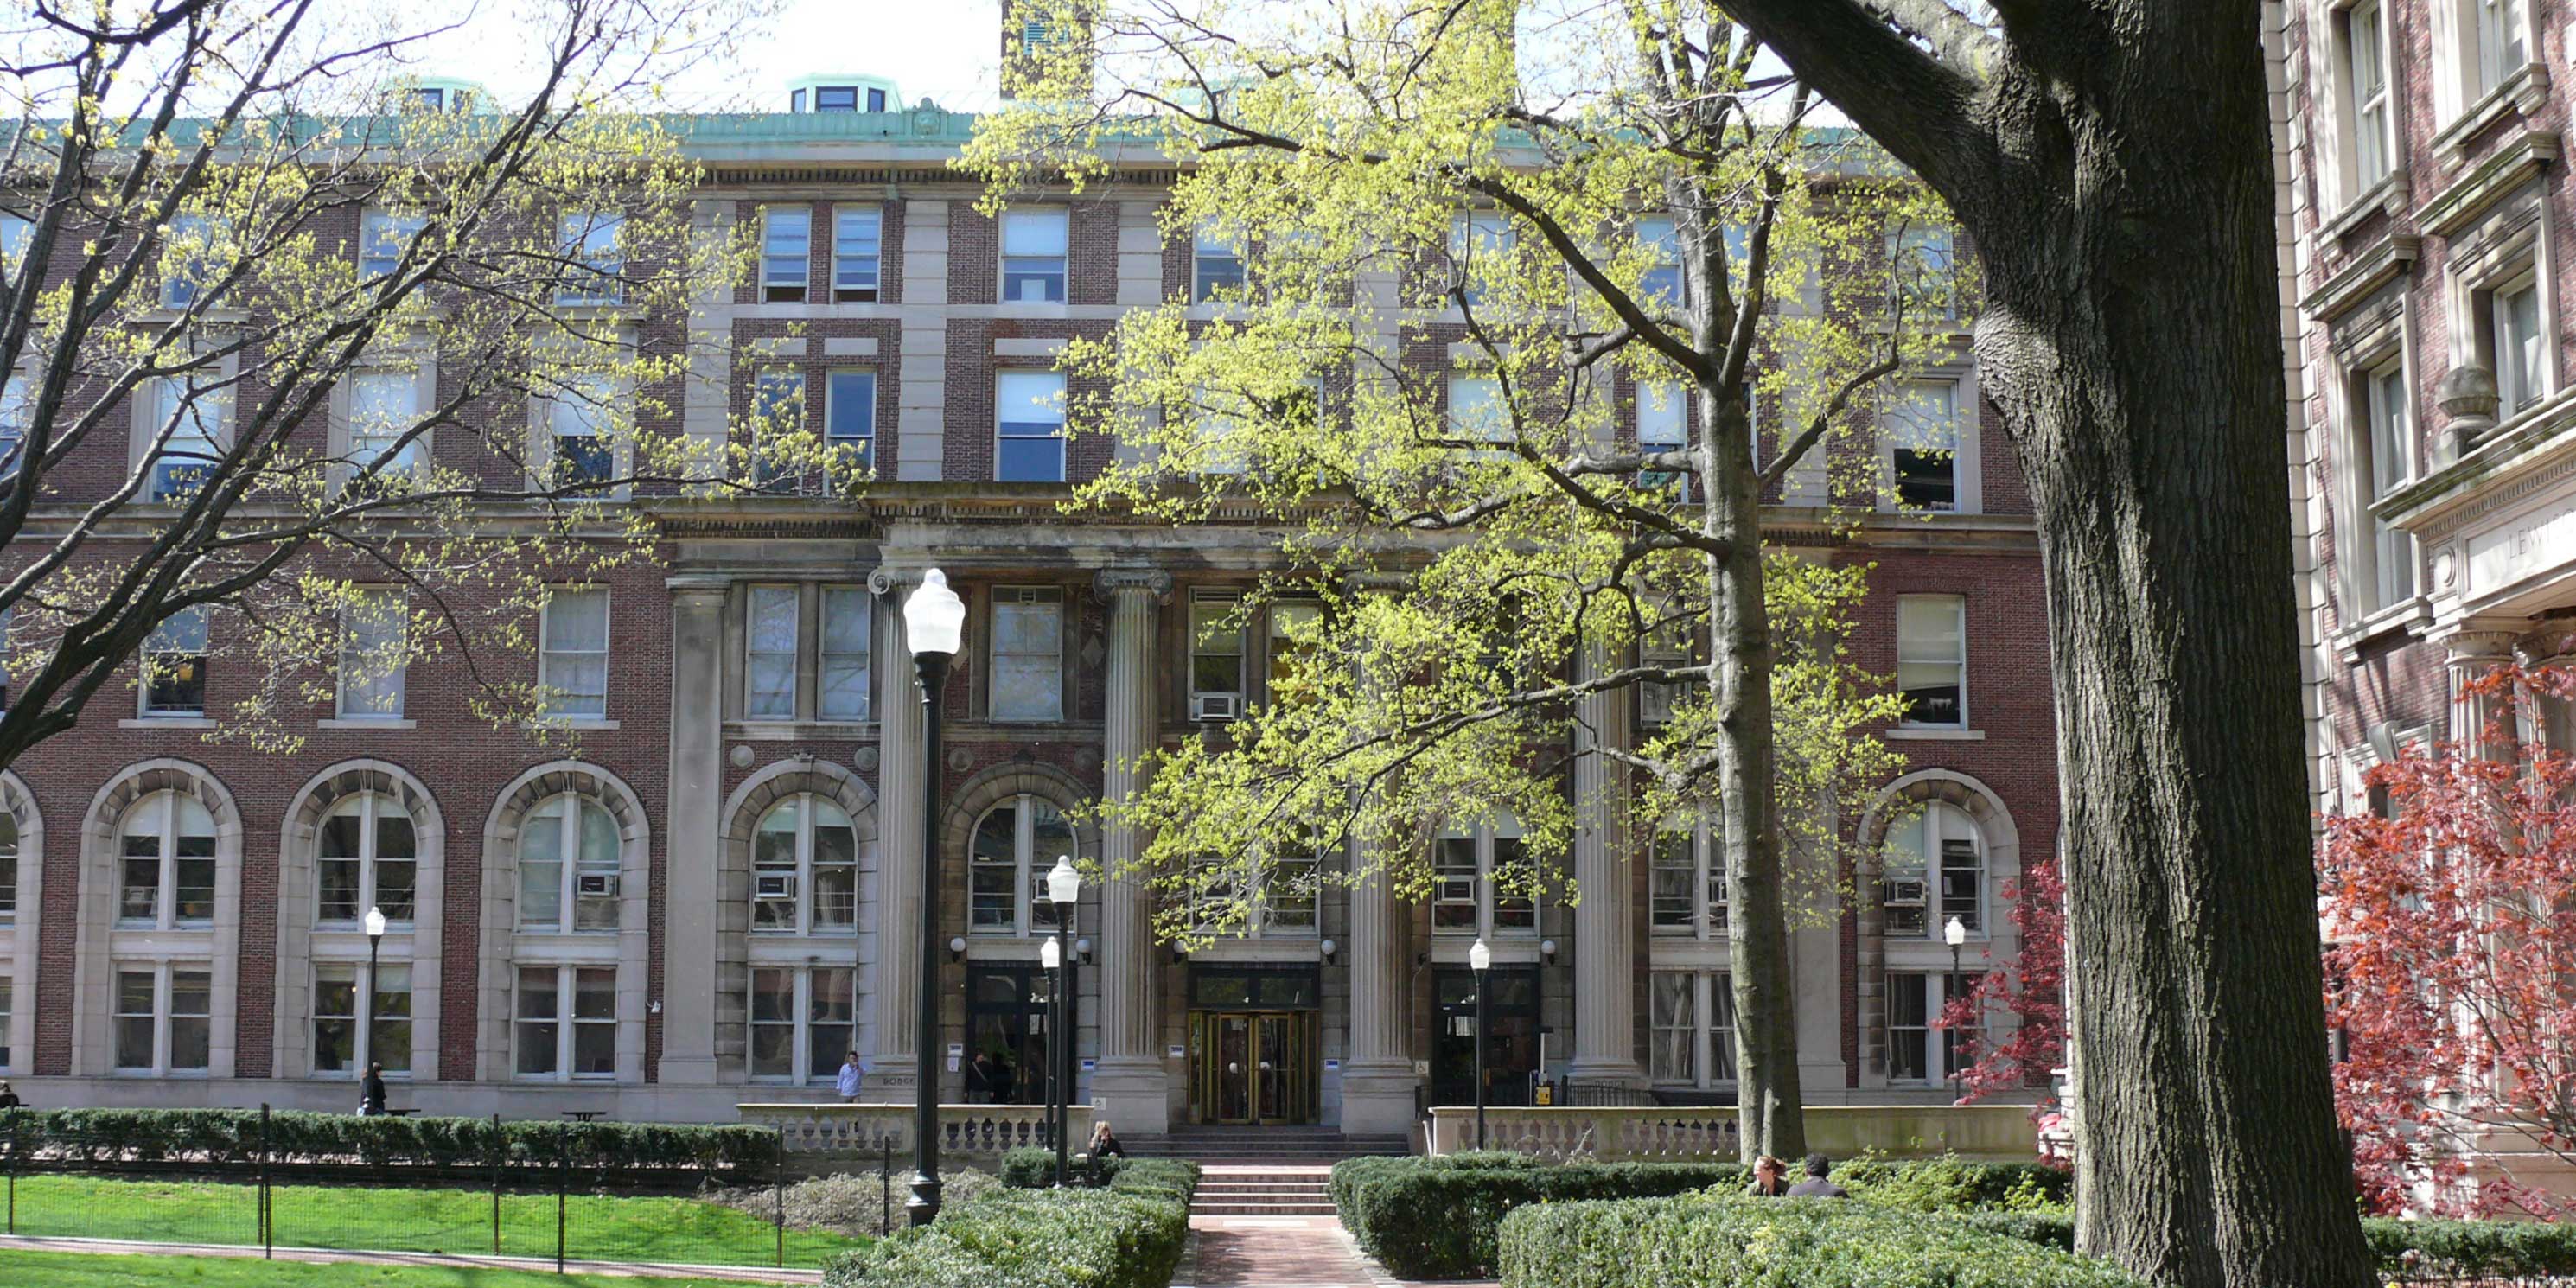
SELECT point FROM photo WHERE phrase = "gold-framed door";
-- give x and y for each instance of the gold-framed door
(1254, 1067)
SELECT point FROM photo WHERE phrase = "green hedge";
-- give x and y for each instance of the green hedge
(235, 1135)
(2425, 1251)
(1030, 1168)
(1950, 1184)
(1128, 1235)
(1714, 1241)
(1435, 1218)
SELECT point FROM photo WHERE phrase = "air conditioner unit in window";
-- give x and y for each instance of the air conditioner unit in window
(776, 885)
(1906, 894)
(595, 884)
(1215, 706)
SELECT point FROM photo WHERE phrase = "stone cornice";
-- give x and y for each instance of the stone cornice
(2489, 181)
(2392, 258)
(2535, 454)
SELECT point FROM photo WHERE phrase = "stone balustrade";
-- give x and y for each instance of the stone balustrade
(1996, 1132)
(866, 1130)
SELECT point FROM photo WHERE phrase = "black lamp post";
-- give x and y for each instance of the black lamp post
(933, 620)
(1064, 890)
(1956, 935)
(1481, 959)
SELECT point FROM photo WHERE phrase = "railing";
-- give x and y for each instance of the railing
(1898, 1131)
(867, 1129)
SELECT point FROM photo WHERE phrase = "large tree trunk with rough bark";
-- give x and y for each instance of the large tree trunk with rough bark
(2113, 161)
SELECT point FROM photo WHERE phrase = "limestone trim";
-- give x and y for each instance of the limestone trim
(418, 945)
(969, 802)
(2002, 841)
(736, 947)
(102, 945)
(504, 947)
(19, 939)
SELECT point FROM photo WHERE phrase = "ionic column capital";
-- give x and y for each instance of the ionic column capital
(1110, 583)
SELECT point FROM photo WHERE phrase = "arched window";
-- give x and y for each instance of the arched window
(8, 870)
(366, 856)
(1935, 870)
(1014, 845)
(166, 879)
(805, 871)
(568, 863)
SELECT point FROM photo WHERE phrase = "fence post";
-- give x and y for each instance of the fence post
(267, 1212)
(500, 1156)
(885, 1188)
(778, 1183)
(563, 1188)
(13, 1172)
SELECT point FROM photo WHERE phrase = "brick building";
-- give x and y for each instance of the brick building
(717, 893)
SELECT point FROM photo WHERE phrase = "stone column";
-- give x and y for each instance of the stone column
(900, 828)
(1131, 1086)
(2479, 647)
(1378, 1080)
(693, 903)
(1605, 943)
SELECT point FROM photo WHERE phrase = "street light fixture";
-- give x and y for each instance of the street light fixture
(933, 620)
(1064, 890)
(375, 941)
(1956, 935)
(1481, 960)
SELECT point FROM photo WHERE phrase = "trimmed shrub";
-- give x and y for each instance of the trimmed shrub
(1952, 1184)
(1029, 1168)
(1713, 1241)
(2443, 1251)
(234, 1136)
(1128, 1235)
(1435, 1218)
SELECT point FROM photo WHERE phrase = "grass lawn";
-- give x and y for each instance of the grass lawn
(82, 1270)
(409, 1220)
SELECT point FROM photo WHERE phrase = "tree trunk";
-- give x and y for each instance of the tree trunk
(1769, 1115)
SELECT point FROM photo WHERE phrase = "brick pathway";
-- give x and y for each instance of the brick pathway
(1279, 1252)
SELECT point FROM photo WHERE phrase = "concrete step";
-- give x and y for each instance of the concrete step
(1261, 1209)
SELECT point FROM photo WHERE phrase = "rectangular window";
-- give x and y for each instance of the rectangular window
(596, 273)
(383, 236)
(769, 641)
(2501, 50)
(572, 663)
(1963, 883)
(384, 404)
(836, 98)
(1453, 885)
(1932, 659)
(801, 1023)
(858, 250)
(164, 1018)
(1480, 243)
(1674, 1019)
(1926, 267)
(777, 416)
(195, 422)
(554, 1044)
(2366, 80)
(848, 616)
(1029, 427)
(16, 231)
(1663, 426)
(138, 1014)
(342, 1028)
(2391, 460)
(579, 422)
(374, 653)
(773, 1024)
(1923, 435)
(1673, 882)
(175, 665)
(1216, 268)
(1033, 256)
(1661, 283)
(17, 416)
(1288, 890)
(1478, 410)
(189, 263)
(1216, 658)
(1911, 1007)
(786, 252)
(2520, 365)
(192, 1017)
(1512, 878)
(1295, 634)
(1028, 653)
(850, 418)
(1664, 645)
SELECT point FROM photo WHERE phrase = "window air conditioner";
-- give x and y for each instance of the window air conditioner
(777, 885)
(1215, 706)
(1905, 893)
(595, 884)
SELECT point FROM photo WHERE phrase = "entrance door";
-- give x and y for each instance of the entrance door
(1006, 1034)
(1511, 1052)
(1253, 1067)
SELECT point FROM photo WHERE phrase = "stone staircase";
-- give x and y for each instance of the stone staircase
(1264, 1189)
(1264, 1171)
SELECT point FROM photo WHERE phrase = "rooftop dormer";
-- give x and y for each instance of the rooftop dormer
(842, 92)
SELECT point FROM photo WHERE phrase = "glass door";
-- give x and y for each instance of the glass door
(1253, 1067)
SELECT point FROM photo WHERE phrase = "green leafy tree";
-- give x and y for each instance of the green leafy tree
(1445, 251)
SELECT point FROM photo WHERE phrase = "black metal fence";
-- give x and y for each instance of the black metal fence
(531, 1202)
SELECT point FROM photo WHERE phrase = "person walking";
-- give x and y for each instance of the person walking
(854, 1071)
(979, 1080)
(371, 1092)
(1770, 1178)
(1816, 1186)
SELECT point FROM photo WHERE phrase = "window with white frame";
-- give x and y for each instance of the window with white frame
(1691, 1015)
(572, 656)
(805, 869)
(1686, 876)
(850, 418)
(192, 259)
(2512, 340)
(569, 864)
(174, 666)
(1295, 634)
(858, 253)
(842, 667)
(770, 616)
(196, 420)
(8, 884)
(777, 416)
(366, 855)
(1919, 1049)
(596, 271)
(801, 1023)
(1028, 653)
(1216, 656)
(375, 652)
(2389, 448)
(566, 1026)
(351, 1015)
(1033, 255)
(1216, 267)
(1015, 845)
(17, 416)
(1663, 426)
(580, 429)
(166, 866)
(2362, 35)
(2503, 45)
(165, 1018)
(786, 252)
(1480, 246)
(1923, 445)
(1924, 262)
(1661, 282)
(1932, 659)
(384, 404)
(1028, 408)
(1935, 870)
(383, 236)
(1482, 881)
(1479, 411)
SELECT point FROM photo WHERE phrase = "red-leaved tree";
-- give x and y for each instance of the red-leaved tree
(2030, 986)
(2450, 914)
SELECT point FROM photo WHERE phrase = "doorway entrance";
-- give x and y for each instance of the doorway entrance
(1006, 1034)
(1255, 1052)
(1511, 1055)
